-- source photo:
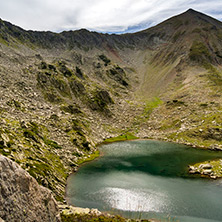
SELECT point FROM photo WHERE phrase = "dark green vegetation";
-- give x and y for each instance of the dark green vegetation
(105, 59)
(63, 93)
(214, 75)
(199, 52)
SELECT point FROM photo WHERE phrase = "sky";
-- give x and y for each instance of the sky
(107, 16)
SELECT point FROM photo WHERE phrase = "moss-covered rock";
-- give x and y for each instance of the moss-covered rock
(77, 87)
(105, 59)
(118, 74)
(61, 86)
(71, 109)
(64, 70)
(79, 73)
(100, 101)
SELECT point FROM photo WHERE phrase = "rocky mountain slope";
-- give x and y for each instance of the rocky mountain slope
(191, 63)
(61, 94)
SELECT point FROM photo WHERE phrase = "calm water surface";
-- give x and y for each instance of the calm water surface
(148, 179)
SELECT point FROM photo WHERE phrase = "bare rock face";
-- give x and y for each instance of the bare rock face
(22, 198)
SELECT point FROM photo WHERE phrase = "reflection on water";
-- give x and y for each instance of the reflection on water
(149, 177)
(135, 199)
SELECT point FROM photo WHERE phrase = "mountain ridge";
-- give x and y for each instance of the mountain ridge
(190, 11)
(85, 32)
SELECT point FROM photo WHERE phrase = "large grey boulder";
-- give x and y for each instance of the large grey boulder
(22, 198)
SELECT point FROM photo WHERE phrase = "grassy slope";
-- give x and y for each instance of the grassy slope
(188, 109)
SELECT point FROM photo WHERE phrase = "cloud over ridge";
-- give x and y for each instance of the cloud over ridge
(112, 16)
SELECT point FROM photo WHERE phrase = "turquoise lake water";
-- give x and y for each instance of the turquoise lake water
(148, 179)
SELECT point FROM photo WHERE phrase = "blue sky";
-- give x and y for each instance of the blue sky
(111, 16)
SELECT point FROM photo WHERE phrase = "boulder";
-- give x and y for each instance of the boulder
(95, 212)
(192, 170)
(205, 166)
(213, 177)
(22, 198)
(207, 171)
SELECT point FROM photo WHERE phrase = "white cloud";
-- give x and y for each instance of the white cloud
(99, 15)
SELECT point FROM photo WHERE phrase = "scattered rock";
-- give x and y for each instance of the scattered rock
(6, 150)
(193, 170)
(95, 212)
(213, 177)
(205, 166)
(67, 209)
(206, 171)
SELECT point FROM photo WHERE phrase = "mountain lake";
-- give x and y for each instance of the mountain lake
(148, 179)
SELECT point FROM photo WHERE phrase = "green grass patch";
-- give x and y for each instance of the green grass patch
(127, 136)
(90, 158)
(150, 105)
(3, 41)
(52, 143)
(170, 124)
(216, 166)
(213, 74)
(31, 135)
(39, 169)
(148, 108)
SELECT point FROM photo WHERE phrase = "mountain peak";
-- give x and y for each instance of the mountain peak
(190, 10)
(192, 17)
(193, 14)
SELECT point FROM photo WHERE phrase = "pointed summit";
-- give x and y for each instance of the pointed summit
(190, 10)
(191, 18)
(196, 15)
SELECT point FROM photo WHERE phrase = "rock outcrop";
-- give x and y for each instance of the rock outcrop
(22, 198)
(211, 169)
